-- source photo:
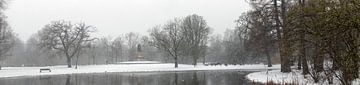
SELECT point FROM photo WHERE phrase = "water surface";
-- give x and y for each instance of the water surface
(222, 77)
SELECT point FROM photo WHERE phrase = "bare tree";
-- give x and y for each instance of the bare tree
(216, 49)
(93, 53)
(196, 31)
(132, 40)
(6, 35)
(282, 31)
(150, 52)
(259, 28)
(7, 40)
(118, 47)
(66, 37)
(106, 46)
(36, 56)
(169, 39)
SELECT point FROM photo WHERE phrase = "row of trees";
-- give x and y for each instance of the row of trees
(7, 37)
(103, 50)
(62, 41)
(322, 36)
(186, 37)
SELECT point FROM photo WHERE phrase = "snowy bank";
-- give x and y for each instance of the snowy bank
(293, 77)
(57, 70)
(139, 62)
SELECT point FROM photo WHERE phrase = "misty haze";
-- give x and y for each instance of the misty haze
(179, 42)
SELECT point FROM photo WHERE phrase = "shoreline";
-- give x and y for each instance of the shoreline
(294, 77)
(13, 72)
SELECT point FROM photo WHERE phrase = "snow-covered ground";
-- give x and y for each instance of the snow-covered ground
(56, 70)
(293, 77)
(139, 62)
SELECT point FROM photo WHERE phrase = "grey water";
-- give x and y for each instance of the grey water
(220, 77)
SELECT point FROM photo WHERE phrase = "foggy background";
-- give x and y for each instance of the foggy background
(121, 26)
(115, 17)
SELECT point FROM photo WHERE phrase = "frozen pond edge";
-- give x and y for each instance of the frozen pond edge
(7, 72)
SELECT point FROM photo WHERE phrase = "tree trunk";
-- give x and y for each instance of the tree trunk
(285, 51)
(268, 59)
(77, 60)
(116, 57)
(204, 60)
(68, 60)
(284, 58)
(93, 57)
(176, 61)
(285, 65)
(304, 63)
(195, 61)
(319, 59)
(303, 54)
(350, 62)
(299, 62)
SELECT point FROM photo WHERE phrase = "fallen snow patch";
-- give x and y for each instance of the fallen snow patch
(292, 77)
(57, 70)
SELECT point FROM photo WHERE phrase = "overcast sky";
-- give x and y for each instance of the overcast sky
(115, 17)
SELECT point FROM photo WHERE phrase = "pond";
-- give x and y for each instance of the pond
(221, 77)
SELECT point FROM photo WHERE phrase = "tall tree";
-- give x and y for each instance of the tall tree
(132, 40)
(276, 19)
(216, 49)
(303, 57)
(7, 37)
(7, 41)
(196, 31)
(118, 48)
(106, 44)
(66, 37)
(259, 24)
(285, 51)
(169, 39)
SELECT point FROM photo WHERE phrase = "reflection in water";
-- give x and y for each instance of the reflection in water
(67, 80)
(175, 78)
(148, 78)
(195, 79)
